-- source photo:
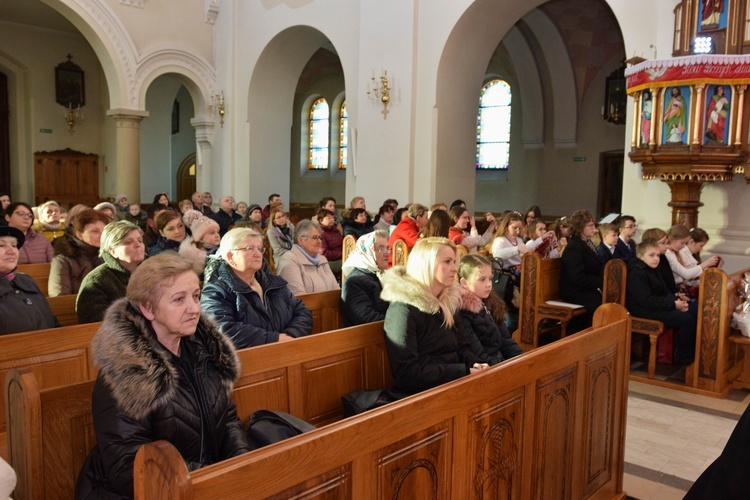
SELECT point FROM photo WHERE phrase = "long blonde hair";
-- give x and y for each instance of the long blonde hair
(421, 267)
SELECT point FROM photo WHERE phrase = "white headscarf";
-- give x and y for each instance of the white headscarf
(363, 256)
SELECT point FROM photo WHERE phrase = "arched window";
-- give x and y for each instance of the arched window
(343, 134)
(493, 126)
(319, 134)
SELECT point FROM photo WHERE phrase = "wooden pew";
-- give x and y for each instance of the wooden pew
(64, 309)
(540, 280)
(51, 430)
(325, 310)
(347, 247)
(615, 292)
(548, 424)
(461, 251)
(40, 273)
(400, 253)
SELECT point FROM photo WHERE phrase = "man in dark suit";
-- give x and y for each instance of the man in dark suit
(625, 248)
(581, 270)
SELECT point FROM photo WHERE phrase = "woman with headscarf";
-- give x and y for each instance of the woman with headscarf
(360, 291)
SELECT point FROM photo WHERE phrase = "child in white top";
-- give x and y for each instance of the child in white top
(685, 268)
(508, 244)
(537, 234)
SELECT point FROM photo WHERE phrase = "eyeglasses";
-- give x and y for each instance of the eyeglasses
(25, 215)
(260, 250)
(316, 237)
(382, 249)
(634, 226)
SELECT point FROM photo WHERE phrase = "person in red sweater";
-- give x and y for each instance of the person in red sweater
(408, 229)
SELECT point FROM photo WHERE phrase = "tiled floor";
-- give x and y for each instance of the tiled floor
(672, 436)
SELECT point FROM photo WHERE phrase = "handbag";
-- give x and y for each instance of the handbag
(362, 400)
(503, 281)
(267, 427)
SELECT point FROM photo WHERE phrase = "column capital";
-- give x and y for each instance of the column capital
(128, 117)
(204, 131)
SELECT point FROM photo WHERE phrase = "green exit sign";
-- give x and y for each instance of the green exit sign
(579, 158)
(45, 130)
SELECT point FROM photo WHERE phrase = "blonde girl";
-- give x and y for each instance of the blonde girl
(508, 244)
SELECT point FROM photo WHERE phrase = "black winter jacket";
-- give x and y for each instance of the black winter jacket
(144, 393)
(647, 294)
(490, 342)
(360, 298)
(424, 353)
(244, 317)
(23, 307)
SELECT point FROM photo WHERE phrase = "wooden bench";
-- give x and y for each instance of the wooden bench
(347, 247)
(743, 380)
(40, 273)
(64, 309)
(51, 430)
(325, 310)
(400, 252)
(615, 292)
(548, 424)
(540, 280)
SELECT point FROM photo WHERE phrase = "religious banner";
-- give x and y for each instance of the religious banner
(689, 70)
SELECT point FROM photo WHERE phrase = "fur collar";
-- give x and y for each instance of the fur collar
(400, 287)
(470, 302)
(70, 246)
(193, 253)
(138, 369)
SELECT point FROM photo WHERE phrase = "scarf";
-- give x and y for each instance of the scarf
(363, 256)
(285, 238)
(314, 260)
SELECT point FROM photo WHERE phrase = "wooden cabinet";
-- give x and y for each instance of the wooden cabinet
(68, 177)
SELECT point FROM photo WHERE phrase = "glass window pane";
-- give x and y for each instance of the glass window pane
(493, 126)
(343, 135)
(319, 135)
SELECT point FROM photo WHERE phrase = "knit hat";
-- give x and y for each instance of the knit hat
(106, 204)
(253, 207)
(119, 197)
(198, 223)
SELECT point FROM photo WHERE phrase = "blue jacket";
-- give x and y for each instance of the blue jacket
(244, 317)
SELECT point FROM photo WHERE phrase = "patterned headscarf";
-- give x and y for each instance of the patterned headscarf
(363, 256)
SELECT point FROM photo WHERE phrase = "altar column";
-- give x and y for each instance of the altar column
(127, 162)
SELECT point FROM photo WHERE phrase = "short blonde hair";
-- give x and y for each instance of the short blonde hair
(234, 237)
(155, 272)
(114, 233)
(421, 267)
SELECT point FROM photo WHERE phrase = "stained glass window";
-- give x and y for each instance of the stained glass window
(343, 134)
(319, 134)
(493, 126)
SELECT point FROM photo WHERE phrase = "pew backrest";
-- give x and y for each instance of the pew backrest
(548, 424)
(347, 247)
(40, 273)
(325, 310)
(64, 309)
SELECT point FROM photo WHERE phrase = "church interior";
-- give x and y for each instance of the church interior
(217, 95)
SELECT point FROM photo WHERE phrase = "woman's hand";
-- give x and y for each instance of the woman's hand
(489, 217)
(681, 305)
(522, 249)
(710, 262)
(478, 367)
(562, 242)
(283, 337)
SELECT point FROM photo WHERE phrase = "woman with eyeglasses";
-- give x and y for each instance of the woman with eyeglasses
(360, 290)
(304, 267)
(36, 248)
(280, 232)
(251, 306)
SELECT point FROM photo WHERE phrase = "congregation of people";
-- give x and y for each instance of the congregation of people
(180, 287)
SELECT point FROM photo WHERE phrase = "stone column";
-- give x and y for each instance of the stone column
(127, 162)
(204, 144)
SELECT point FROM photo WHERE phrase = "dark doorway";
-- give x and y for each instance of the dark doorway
(4, 136)
(610, 182)
(186, 178)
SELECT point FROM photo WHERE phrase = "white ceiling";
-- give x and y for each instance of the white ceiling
(34, 13)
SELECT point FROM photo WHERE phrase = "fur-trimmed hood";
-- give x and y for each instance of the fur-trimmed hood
(70, 246)
(400, 287)
(138, 369)
(470, 302)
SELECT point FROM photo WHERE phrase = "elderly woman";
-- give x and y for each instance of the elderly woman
(304, 267)
(252, 307)
(48, 223)
(36, 248)
(581, 270)
(425, 347)
(280, 232)
(122, 250)
(76, 256)
(165, 372)
(171, 232)
(360, 291)
(22, 304)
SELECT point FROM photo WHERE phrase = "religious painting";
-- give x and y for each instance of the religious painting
(69, 85)
(712, 15)
(676, 115)
(646, 110)
(718, 102)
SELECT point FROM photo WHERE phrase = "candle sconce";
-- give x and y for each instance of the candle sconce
(216, 105)
(380, 90)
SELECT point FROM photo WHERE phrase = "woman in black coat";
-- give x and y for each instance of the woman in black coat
(581, 270)
(251, 306)
(360, 290)
(165, 372)
(424, 345)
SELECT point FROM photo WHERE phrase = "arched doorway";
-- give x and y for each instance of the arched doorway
(186, 178)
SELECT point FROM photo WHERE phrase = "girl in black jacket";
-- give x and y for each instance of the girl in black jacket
(424, 345)
(482, 317)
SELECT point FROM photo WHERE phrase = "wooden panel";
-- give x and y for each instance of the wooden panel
(555, 400)
(40, 273)
(333, 485)
(416, 467)
(494, 431)
(67, 176)
(336, 375)
(64, 309)
(325, 310)
(264, 391)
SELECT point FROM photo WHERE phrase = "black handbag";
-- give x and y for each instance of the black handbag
(503, 281)
(361, 400)
(267, 427)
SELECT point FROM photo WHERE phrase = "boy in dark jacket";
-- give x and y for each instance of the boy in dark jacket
(649, 297)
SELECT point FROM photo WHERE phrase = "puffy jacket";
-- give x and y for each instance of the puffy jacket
(423, 352)
(332, 243)
(356, 229)
(303, 276)
(162, 244)
(489, 341)
(647, 294)
(73, 260)
(406, 230)
(36, 249)
(360, 298)
(23, 307)
(144, 393)
(244, 317)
